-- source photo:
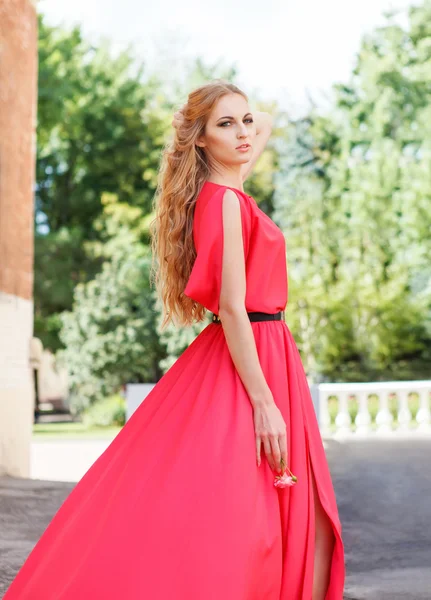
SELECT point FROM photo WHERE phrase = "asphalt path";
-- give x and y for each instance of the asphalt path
(383, 491)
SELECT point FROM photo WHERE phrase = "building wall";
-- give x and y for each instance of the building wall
(18, 102)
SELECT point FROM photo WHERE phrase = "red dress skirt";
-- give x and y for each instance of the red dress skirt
(176, 507)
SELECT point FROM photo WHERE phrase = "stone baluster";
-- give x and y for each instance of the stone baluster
(384, 417)
(423, 416)
(363, 418)
(404, 414)
(324, 416)
(343, 420)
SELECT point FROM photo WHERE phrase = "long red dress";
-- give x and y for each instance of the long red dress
(176, 507)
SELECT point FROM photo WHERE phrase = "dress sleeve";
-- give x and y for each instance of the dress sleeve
(204, 283)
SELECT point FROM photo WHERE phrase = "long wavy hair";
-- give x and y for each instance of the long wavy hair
(183, 171)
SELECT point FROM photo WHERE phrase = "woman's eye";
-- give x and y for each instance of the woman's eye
(227, 122)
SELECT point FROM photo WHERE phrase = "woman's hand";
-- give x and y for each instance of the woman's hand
(263, 121)
(178, 118)
(270, 429)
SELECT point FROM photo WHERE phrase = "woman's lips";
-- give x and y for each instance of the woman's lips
(243, 148)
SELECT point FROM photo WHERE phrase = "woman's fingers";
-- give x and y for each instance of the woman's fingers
(268, 451)
(270, 430)
(275, 448)
(279, 453)
(276, 454)
(283, 450)
(258, 447)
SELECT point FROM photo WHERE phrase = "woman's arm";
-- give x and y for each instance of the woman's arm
(270, 428)
(263, 122)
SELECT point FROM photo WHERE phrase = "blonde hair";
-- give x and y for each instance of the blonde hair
(183, 171)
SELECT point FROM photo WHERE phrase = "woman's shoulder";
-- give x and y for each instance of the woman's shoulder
(213, 194)
(210, 188)
(208, 211)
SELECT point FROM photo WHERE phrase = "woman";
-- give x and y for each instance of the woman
(193, 499)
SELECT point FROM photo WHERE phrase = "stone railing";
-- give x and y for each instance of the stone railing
(384, 423)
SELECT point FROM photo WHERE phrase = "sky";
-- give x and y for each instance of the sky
(284, 50)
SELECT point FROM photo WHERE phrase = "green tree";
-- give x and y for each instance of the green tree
(98, 131)
(110, 335)
(357, 212)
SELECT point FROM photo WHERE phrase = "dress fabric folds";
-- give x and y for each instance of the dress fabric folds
(176, 507)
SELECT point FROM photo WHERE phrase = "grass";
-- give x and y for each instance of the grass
(79, 431)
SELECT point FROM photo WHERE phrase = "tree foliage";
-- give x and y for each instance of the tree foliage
(352, 194)
(357, 213)
(98, 132)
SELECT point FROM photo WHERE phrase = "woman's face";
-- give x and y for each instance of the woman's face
(230, 125)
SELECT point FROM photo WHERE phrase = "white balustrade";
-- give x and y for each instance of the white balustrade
(343, 421)
(324, 417)
(423, 416)
(384, 420)
(363, 418)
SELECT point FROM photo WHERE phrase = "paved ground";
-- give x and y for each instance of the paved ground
(383, 490)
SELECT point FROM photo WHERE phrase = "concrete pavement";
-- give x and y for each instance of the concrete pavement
(383, 490)
(384, 498)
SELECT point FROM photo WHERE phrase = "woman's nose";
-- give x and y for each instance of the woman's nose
(242, 130)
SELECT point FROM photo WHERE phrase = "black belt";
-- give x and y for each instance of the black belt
(257, 316)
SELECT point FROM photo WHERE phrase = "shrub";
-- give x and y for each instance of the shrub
(107, 412)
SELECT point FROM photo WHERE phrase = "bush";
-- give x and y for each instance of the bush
(106, 412)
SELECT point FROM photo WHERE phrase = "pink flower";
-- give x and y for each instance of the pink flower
(284, 480)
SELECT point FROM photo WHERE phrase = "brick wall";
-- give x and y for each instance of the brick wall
(18, 90)
(18, 72)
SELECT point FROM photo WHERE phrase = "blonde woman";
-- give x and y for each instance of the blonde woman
(217, 487)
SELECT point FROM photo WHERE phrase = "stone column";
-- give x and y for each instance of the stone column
(18, 105)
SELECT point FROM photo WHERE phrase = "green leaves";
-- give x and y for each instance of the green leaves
(355, 203)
